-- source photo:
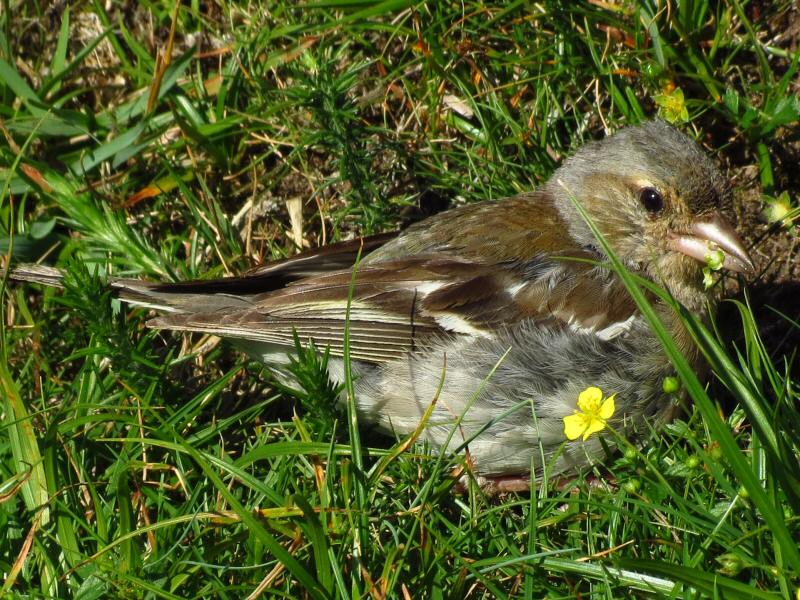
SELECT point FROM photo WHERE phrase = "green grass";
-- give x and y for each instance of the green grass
(143, 464)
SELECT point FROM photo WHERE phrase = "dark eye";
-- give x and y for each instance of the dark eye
(652, 200)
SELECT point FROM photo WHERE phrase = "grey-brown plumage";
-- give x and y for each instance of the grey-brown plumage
(507, 303)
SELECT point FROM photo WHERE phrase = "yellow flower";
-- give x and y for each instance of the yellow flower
(593, 415)
(780, 210)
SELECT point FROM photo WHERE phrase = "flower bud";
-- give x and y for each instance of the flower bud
(671, 385)
(730, 564)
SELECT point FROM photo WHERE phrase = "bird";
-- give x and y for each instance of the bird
(495, 315)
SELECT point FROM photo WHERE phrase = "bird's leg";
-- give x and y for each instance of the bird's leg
(503, 484)
(495, 485)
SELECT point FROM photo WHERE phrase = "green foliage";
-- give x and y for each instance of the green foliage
(142, 464)
(318, 395)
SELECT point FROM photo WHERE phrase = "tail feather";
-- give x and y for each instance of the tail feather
(45, 275)
(162, 297)
(172, 298)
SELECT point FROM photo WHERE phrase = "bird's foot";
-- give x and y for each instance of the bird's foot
(495, 484)
(503, 484)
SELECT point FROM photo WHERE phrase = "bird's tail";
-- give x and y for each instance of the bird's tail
(48, 276)
(173, 298)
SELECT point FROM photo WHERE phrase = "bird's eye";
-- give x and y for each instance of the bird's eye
(652, 200)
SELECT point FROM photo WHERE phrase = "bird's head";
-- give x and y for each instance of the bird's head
(656, 197)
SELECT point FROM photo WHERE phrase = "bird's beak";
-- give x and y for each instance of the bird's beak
(709, 235)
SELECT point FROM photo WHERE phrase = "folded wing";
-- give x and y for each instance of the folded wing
(394, 307)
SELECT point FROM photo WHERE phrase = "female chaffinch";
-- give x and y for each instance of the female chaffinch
(508, 306)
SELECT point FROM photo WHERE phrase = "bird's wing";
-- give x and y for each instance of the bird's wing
(317, 261)
(395, 306)
(230, 293)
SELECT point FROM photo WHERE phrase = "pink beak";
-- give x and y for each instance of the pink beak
(713, 234)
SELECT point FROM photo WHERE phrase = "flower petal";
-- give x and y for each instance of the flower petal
(589, 399)
(575, 425)
(608, 407)
(594, 426)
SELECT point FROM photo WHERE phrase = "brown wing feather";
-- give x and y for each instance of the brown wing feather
(207, 295)
(398, 305)
(311, 263)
